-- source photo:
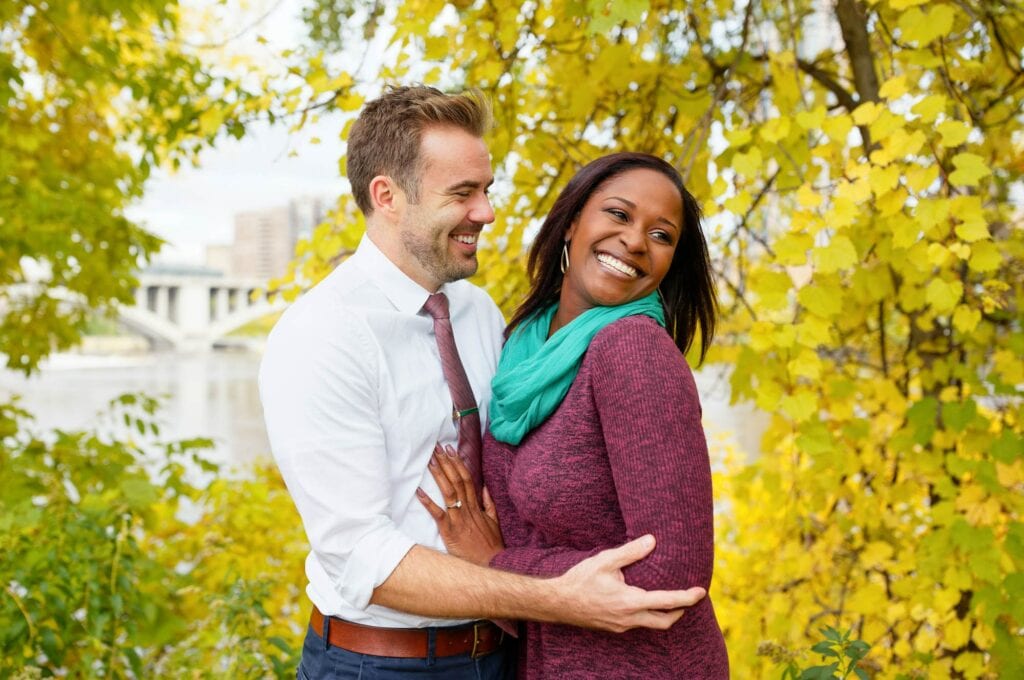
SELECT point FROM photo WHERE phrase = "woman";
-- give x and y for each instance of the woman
(594, 435)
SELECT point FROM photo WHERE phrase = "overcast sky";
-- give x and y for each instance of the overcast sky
(195, 206)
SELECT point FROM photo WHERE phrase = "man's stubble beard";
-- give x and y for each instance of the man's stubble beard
(431, 251)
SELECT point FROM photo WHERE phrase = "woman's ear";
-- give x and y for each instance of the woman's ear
(572, 229)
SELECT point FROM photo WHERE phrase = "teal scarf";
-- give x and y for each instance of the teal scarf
(535, 371)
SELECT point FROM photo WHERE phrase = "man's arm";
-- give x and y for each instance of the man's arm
(593, 594)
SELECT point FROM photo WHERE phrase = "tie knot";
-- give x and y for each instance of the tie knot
(437, 306)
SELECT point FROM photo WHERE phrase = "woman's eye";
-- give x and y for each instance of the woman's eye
(663, 236)
(618, 214)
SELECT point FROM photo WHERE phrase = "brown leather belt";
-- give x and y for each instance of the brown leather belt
(476, 639)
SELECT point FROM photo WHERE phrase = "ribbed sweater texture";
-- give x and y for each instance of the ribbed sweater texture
(624, 455)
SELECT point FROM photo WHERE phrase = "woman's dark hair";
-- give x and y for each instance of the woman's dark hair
(687, 291)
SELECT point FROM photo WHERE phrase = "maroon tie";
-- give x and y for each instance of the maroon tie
(464, 409)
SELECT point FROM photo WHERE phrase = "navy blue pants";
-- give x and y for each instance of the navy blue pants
(321, 661)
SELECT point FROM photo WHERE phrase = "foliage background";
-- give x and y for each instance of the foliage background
(858, 162)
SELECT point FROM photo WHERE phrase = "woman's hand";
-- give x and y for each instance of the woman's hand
(469, 530)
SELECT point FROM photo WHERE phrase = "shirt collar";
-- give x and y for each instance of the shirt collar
(404, 293)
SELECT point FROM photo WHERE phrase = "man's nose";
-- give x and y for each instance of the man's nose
(482, 212)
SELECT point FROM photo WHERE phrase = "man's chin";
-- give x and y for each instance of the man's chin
(463, 271)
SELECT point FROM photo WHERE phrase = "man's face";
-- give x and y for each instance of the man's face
(439, 232)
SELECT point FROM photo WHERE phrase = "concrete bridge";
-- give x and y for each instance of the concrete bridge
(193, 308)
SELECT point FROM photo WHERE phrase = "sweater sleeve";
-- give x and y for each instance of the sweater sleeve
(650, 413)
(541, 562)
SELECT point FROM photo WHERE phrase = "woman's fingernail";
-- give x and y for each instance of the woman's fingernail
(420, 492)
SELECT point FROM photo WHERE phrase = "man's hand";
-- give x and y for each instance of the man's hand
(594, 593)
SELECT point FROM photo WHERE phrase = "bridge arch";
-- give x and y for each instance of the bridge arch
(239, 318)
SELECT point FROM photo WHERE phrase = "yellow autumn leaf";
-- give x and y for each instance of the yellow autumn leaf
(867, 113)
(923, 28)
(985, 257)
(972, 231)
(931, 211)
(775, 130)
(814, 332)
(792, 248)
(969, 169)
(884, 180)
(961, 250)
(966, 319)
(800, 405)
(983, 636)
(869, 599)
(875, 553)
(954, 132)
(1010, 475)
(210, 121)
(893, 88)
(930, 107)
(772, 288)
(738, 137)
(784, 336)
(807, 197)
(838, 127)
(938, 254)
(811, 120)
(955, 634)
(943, 295)
(919, 178)
(838, 254)
(825, 301)
(891, 203)
(807, 364)
(904, 4)
(885, 124)
(740, 203)
(857, 191)
(749, 163)
(842, 212)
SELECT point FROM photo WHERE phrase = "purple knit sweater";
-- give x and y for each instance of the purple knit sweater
(622, 456)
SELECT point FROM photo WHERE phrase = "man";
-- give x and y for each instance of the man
(357, 387)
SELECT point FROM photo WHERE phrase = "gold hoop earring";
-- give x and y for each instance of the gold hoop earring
(565, 256)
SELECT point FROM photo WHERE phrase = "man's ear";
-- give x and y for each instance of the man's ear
(385, 196)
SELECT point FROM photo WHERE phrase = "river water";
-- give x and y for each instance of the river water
(213, 394)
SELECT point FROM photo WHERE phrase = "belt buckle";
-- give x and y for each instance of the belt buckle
(476, 639)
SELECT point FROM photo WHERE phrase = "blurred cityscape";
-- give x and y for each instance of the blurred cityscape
(193, 338)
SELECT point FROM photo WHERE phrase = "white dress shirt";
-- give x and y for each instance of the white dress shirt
(354, 400)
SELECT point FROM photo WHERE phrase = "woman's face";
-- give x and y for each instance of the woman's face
(622, 243)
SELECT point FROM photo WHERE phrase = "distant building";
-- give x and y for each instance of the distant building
(218, 258)
(265, 239)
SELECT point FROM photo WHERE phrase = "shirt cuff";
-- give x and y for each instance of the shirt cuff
(370, 563)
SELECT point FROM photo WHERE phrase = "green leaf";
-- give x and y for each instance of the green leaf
(825, 649)
(820, 672)
(922, 416)
(957, 416)
(1008, 447)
